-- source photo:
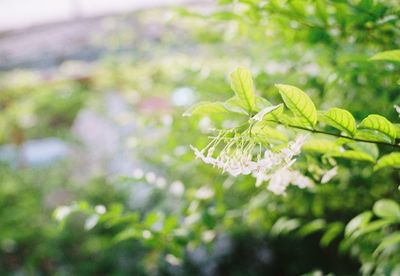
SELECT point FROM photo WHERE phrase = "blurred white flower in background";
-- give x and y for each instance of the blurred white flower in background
(183, 96)
(177, 188)
(161, 182)
(91, 222)
(204, 193)
(62, 212)
(328, 175)
(100, 209)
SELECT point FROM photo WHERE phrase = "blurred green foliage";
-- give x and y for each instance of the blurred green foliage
(199, 222)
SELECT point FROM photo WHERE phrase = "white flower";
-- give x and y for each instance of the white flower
(397, 107)
(100, 209)
(279, 181)
(138, 173)
(240, 155)
(150, 177)
(177, 188)
(91, 222)
(260, 178)
(161, 182)
(300, 180)
(199, 154)
(294, 148)
(204, 193)
(173, 260)
(146, 234)
(62, 212)
(328, 175)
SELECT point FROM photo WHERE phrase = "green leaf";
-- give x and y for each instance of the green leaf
(340, 119)
(266, 135)
(299, 103)
(284, 226)
(290, 120)
(333, 231)
(130, 233)
(352, 155)
(312, 227)
(321, 10)
(242, 84)
(389, 160)
(368, 148)
(388, 242)
(372, 227)
(372, 135)
(357, 222)
(261, 103)
(203, 108)
(379, 125)
(277, 109)
(387, 208)
(397, 127)
(392, 55)
(320, 146)
(235, 105)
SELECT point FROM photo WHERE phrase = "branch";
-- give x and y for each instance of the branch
(337, 135)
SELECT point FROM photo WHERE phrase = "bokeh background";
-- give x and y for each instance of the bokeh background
(96, 173)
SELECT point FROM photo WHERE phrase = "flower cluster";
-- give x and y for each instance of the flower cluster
(241, 155)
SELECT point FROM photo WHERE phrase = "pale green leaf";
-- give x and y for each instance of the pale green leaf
(334, 229)
(299, 103)
(234, 104)
(267, 110)
(284, 226)
(372, 135)
(321, 10)
(290, 120)
(130, 233)
(204, 108)
(379, 124)
(357, 222)
(261, 103)
(387, 208)
(392, 55)
(320, 146)
(368, 148)
(242, 84)
(342, 141)
(352, 155)
(372, 227)
(389, 160)
(340, 119)
(266, 135)
(312, 227)
(387, 242)
(397, 127)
